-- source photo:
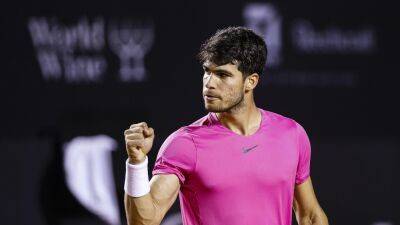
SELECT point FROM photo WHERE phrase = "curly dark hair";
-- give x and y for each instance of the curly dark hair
(236, 45)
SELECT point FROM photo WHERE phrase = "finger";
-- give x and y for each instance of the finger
(149, 132)
(137, 130)
(134, 136)
(128, 131)
(141, 124)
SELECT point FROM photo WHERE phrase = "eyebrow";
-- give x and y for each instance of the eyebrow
(216, 70)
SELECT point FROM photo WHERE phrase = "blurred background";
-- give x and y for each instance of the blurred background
(76, 74)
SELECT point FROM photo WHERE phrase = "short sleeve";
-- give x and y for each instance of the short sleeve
(304, 147)
(177, 155)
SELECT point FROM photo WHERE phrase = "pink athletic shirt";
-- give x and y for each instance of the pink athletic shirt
(231, 179)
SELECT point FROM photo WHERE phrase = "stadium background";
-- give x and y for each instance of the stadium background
(75, 75)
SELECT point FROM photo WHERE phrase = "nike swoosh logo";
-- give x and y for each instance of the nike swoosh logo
(246, 150)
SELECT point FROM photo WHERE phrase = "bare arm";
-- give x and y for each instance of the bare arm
(151, 208)
(306, 206)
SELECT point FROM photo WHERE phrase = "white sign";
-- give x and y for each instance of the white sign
(131, 43)
(75, 52)
(307, 39)
(89, 177)
(265, 20)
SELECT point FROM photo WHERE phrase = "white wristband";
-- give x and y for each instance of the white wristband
(137, 179)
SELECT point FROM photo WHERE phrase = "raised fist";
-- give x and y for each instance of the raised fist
(138, 140)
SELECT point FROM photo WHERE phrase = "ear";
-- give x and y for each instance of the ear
(251, 81)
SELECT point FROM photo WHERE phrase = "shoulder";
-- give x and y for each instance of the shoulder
(281, 120)
(179, 136)
(183, 134)
(288, 126)
(200, 126)
(285, 123)
(179, 144)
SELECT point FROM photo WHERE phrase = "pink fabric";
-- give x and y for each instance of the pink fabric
(223, 184)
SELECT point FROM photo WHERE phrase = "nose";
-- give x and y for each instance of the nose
(209, 81)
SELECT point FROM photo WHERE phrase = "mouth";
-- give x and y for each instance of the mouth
(210, 97)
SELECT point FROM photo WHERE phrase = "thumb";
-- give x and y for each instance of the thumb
(149, 132)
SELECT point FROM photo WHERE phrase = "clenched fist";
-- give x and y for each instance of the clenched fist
(138, 140)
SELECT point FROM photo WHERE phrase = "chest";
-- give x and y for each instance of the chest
(229, 164)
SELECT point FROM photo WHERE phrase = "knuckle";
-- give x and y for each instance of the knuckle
(137, 129)
(135, 125)
(143, 124)
(134, 136)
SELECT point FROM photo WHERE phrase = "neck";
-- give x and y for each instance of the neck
(245, 119)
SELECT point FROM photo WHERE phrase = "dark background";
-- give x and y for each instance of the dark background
(347, 101)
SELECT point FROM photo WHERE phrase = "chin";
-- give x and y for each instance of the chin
(209, 108)
(213, 108)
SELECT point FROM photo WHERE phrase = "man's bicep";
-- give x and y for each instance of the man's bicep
(304, 197)
(164, 189)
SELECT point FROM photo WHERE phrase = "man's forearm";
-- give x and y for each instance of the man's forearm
(140, 210)
(317, 217)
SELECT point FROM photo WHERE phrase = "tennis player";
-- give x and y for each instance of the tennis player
(237, 165)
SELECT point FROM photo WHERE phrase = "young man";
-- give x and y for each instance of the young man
(237, 165)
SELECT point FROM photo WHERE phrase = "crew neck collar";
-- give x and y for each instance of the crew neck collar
(214, 120)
